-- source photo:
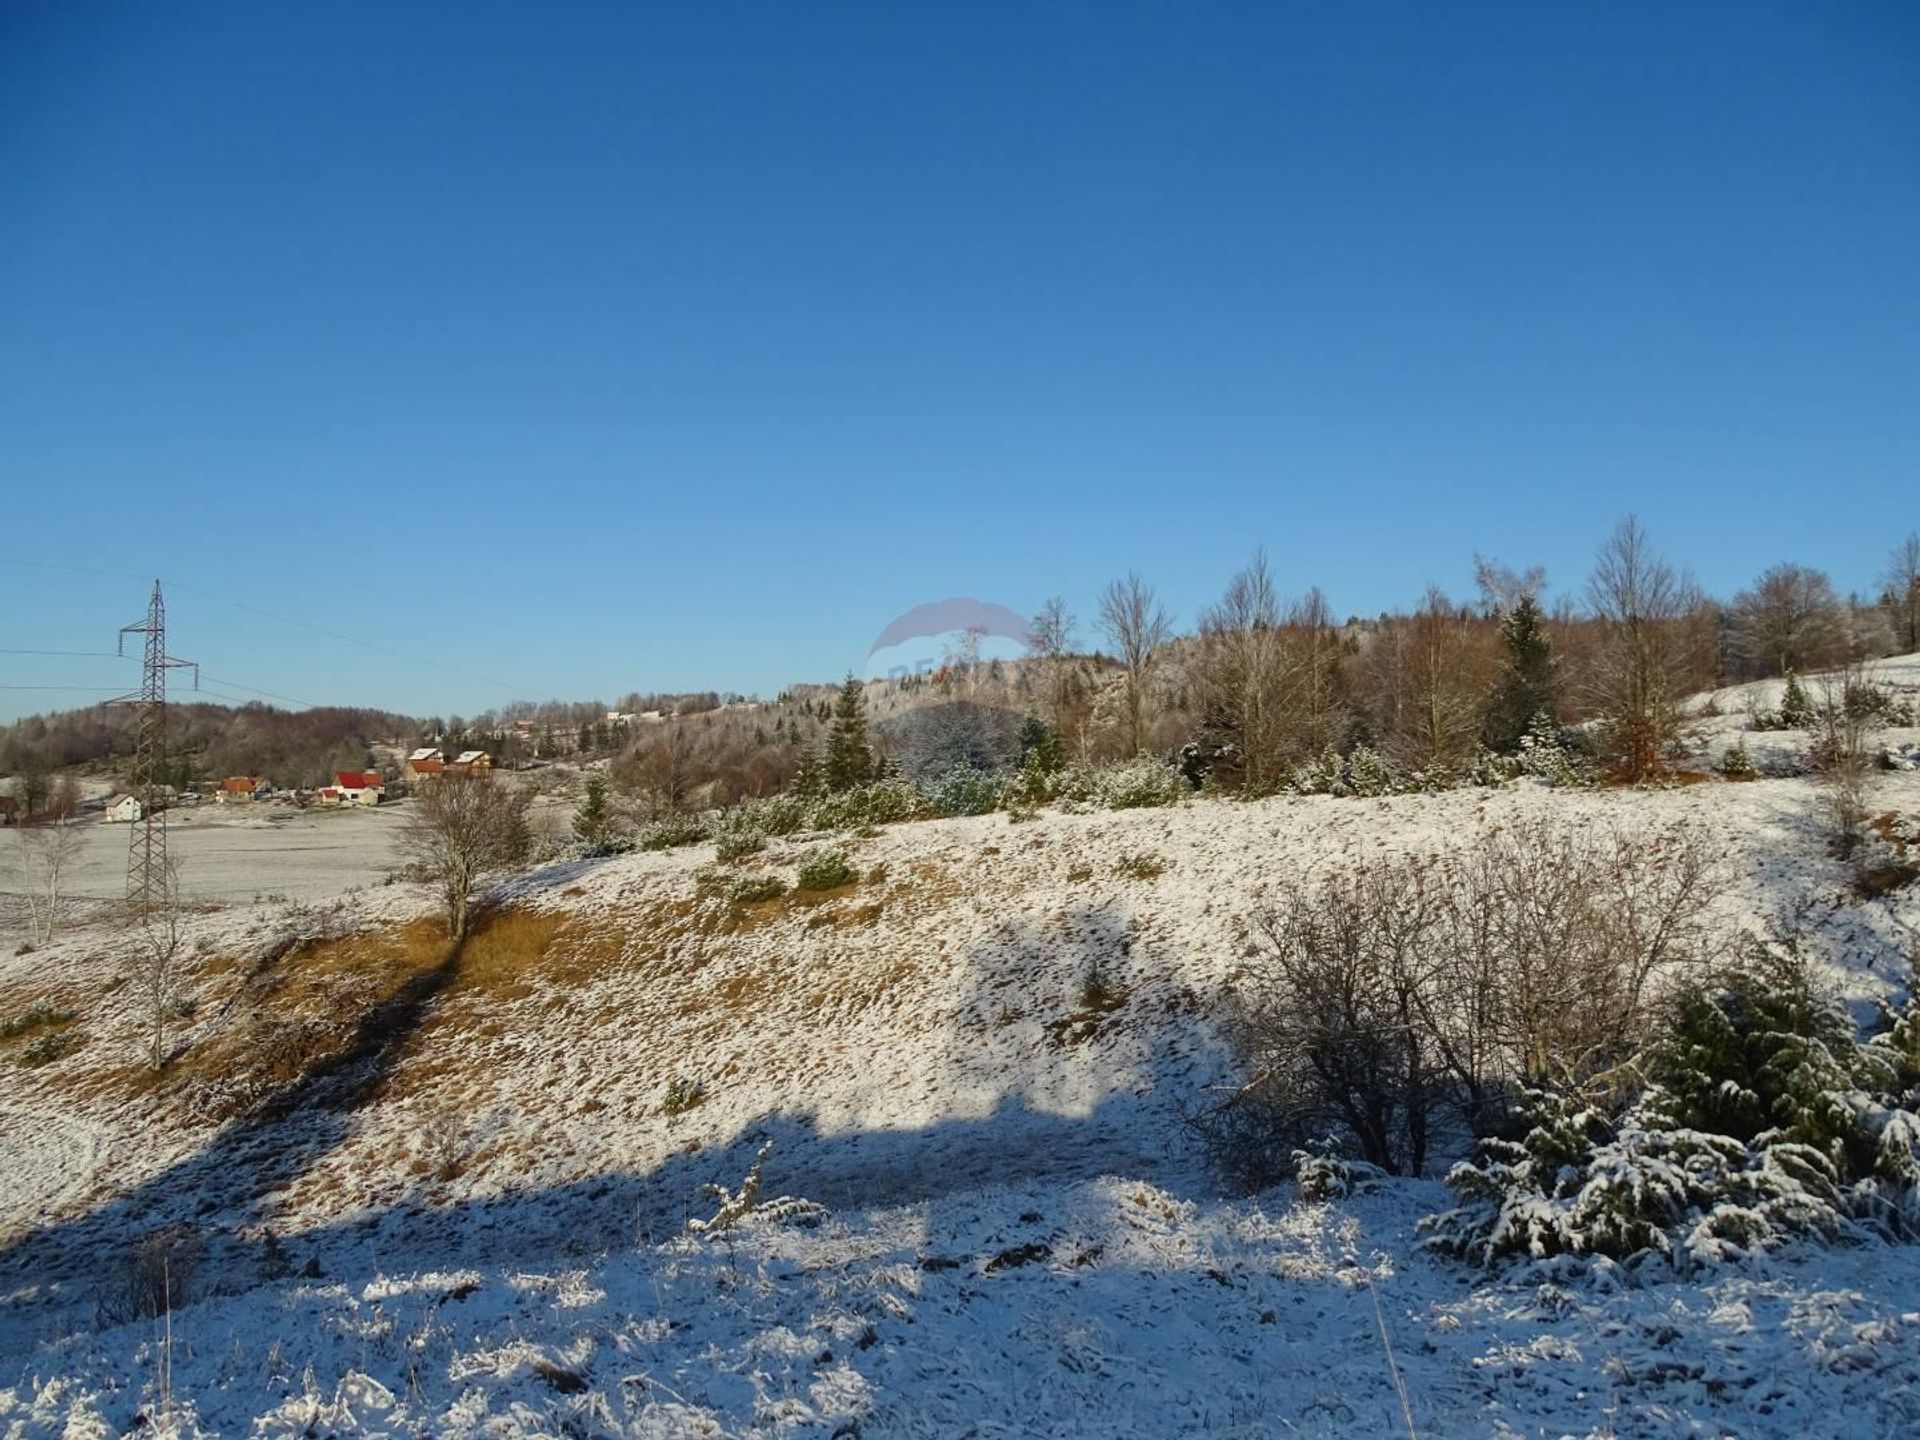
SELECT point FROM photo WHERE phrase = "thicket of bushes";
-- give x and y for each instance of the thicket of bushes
(1632, 1083)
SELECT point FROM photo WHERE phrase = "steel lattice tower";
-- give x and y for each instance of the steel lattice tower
(147, 879)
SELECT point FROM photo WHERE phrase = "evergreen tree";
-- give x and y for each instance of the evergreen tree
(1526, 685)
(1040, 746)
(849, 752)
(1796, 710)
(810, 780)
(593, 821)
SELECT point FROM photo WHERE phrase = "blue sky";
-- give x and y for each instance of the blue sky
(581, 349)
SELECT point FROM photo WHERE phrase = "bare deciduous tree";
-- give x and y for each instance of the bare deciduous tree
(1790, 620)
(42, 854)
(156, 964)
(1900, 592)
(1050, 638)
(1501, 587)
(662, 768)
(1385, 997)
(1133, 619)
(1318, 657)
(1432, 672)
(1245, 675)
(1845, 717)
(1642, 663)
(459, 832)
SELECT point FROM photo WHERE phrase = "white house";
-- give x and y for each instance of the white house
(124, 809)
(354, 787)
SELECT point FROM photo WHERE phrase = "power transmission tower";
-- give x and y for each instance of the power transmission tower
(147, 876)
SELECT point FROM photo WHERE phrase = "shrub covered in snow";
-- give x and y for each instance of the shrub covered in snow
(1737, 763)
(736, 842)
(1322, 1173)
(1762, 1118)
(963, 791)
(674, 831)
(824, 870)
(1140, 783)
(756, 888)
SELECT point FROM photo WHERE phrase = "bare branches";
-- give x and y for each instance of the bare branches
(1134, 621)
(1642, 668)
(460, 830)
(42, 855)
(1389, 997)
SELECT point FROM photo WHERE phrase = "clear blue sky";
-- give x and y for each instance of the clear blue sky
(581, 349)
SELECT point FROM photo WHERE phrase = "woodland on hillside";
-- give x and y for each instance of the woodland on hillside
(1260, 685)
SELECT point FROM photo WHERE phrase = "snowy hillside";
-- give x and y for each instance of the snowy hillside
(450, 1197)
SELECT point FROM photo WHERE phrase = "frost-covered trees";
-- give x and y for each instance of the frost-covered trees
(1754, 1115)
(459, 832)
(1790, 619)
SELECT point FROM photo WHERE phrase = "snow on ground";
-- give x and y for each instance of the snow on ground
(491, 1200)
(237, 855)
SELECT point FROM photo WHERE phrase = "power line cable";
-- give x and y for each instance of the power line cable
(357, 641)
(90, 654)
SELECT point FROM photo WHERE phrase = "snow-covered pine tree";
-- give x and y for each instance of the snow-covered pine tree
(1796, 709)
(1737, 763)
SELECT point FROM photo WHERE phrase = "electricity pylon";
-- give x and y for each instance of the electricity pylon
(147, 875)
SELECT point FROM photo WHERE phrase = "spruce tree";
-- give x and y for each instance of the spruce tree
(1796, 710)
(849, 752)
(1525, 688)
(810, 779)
(1040, 746)
(593, 821)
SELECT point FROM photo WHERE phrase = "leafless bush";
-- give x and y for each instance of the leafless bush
(1399, 999)
(153, 1277)
(1846, 713)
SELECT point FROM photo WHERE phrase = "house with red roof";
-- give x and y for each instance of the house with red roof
(353, 787)
(425, 764)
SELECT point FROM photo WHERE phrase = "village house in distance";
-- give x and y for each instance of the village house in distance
(428, 764)
(353, 787)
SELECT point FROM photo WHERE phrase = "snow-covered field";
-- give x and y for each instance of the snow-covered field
(478, 1224)
(229, 855)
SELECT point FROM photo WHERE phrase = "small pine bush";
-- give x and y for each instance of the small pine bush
(824, 870)
(681, 1095)
(735, 842)
(1763, 1119)
(1796, 709)
(1141, 783)
(674, 831)
(1368, 773)
(757, 888)
(1546, 755)
(1737, 763)
(964, 791)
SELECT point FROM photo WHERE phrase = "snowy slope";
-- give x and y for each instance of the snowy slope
(918, 1048)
